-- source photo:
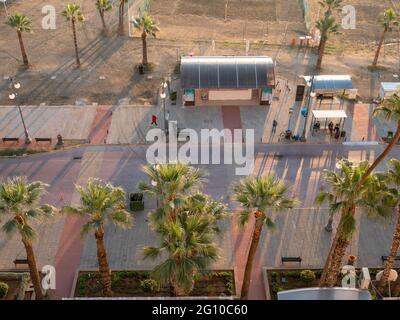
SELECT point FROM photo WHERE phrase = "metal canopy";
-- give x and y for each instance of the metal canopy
(331, 82)
(390, 86)
(327, 114)
(230, 72)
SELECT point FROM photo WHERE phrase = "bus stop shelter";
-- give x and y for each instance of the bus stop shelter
(329, 115)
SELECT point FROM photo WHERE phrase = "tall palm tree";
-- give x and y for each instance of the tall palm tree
(344, 198)
(326, 25)
(147, 26)
(100, 203)
(121, 13)
(330, 5)
(73, 13)
(19, 200)
(393, 176)
(258, 196)
(187, 242)
(103, 6)
(389, 20)
(20, 23)
(171, 183)
(390, 110)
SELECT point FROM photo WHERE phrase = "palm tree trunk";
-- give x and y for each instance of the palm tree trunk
(378, 50)
(382, 156)
(393, 253)
(252, 253)
(30, 256)
(121, 17)
(103, 22)
(321, 52)
(322, 280)
(23, 52)
(144, 42)
(336, 262)
(78, 62)
(103, 263)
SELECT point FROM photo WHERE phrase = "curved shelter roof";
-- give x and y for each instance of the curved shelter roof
(331, 82)
(227, 72)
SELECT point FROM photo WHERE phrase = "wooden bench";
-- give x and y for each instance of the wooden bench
(43, 139)
(384, 258)
(20, 262)
(291, 259)
(11, 139)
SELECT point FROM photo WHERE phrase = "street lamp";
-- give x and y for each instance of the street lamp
(310, 97)
(163, 96)
(12, 96)
(5, 7)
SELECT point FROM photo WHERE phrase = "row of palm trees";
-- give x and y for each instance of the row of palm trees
(188, 221)
(327, 25)
(73, 13)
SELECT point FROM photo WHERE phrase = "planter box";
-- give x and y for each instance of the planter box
(126, 281)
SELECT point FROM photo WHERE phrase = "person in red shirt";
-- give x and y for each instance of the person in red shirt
(154, 119)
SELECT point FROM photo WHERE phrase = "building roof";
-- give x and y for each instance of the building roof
(331, 82)
(390, 86)
(337, 293)
(227, 72)
(326, 114)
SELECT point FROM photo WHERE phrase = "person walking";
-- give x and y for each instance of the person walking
(274, 125)
(154, 120)
(330, 127)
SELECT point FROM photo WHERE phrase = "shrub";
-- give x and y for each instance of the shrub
(3, 290)
(276, 288)
(274, 276)
(149, 285)
(307, 276)
(173, 96)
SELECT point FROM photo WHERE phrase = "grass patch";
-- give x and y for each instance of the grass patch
(17, 152)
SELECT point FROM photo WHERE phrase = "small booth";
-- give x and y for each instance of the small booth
(329, 115)
(388, 89)
(227, 80)
(327, 86)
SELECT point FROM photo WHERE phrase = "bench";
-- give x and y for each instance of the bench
(11, 139)
(384, 258)
(20, 262)
(291, 259)
(43, 139)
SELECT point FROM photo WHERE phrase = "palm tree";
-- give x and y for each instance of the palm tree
(101, 203)
(20, 23)
(393, 176)
(121, 13)
(330, 5)
(188, 243)
(344, 198)
(147, 26)
(171, 183)
(257, 196)
(73, 13)
(390, 110)
(103, 6)
(326, 26)
(389, 20)
(20, 201)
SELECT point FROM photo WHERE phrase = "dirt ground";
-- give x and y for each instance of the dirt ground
(108, 74)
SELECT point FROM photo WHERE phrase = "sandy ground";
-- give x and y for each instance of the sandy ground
(108, 74)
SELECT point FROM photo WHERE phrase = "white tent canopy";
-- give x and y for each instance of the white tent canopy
(329, 114)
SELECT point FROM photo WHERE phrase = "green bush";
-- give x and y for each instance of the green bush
(276, 288)
(274, 275)
(173, 96)
(3, 290)
(149, 285)
(307, 276)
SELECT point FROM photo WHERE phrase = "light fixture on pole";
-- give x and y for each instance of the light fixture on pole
(5, 6)
(12, 96)
(310, 97)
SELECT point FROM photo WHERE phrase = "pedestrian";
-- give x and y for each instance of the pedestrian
(330, 127)
(274, 125)
(154, 120)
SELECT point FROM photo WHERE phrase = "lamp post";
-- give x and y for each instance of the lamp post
(13, 95)
(310, 96)
(163, 96)
(5, 6)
